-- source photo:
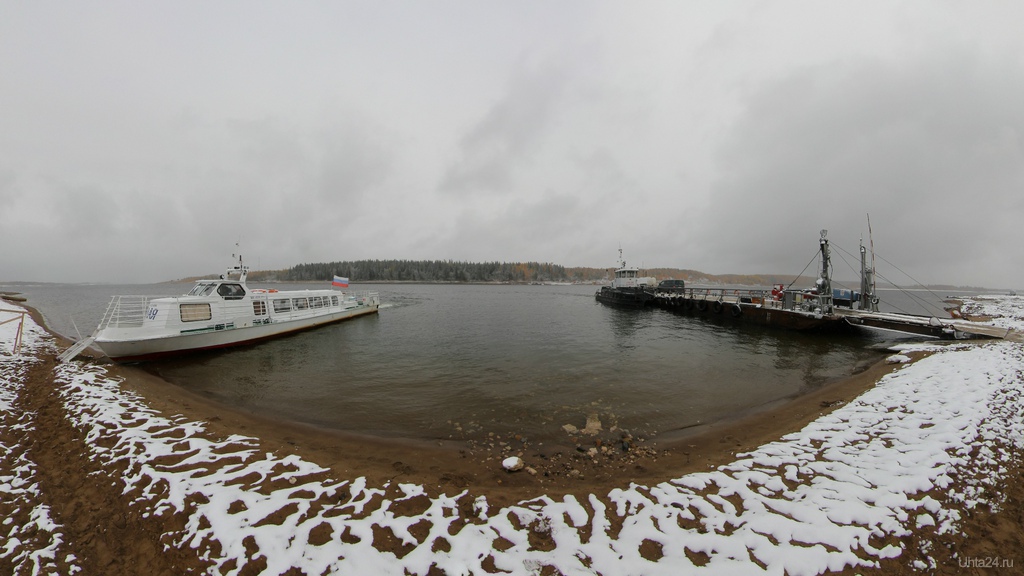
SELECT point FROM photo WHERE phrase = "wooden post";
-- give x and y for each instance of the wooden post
(21, 326)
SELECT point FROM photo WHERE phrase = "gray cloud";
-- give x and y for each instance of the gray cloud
(509, 134)
(918, 144)
(140, 144)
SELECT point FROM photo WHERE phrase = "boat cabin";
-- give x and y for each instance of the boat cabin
(226, 290)
(626, 277)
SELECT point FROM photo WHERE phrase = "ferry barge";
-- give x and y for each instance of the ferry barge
(216, 314)
(819, 308)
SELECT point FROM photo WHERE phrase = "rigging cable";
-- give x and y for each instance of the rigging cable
(921, 301)
(800, 275)
(845, 261)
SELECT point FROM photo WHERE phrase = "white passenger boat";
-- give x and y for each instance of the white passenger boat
(215, 314)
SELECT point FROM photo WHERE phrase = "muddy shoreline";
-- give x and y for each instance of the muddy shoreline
(578, 463)
(107, 533)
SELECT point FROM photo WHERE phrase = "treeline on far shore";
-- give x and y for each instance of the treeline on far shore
(444, 271)
(431, 271)
(368, 271)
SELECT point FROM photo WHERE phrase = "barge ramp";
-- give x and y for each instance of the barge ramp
(923, 325)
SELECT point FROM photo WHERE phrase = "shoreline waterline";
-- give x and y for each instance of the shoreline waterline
(471, 363)
(924, 456)
(475, 466)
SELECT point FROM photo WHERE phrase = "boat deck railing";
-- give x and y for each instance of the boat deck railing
(130, 311)
(362, 297)
(125, 311)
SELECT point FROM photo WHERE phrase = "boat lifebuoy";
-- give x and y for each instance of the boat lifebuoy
(736, 310)
(718, 306)
(702, 305)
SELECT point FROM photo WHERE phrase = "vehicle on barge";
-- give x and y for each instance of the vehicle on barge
(216, 314)
(628, 288)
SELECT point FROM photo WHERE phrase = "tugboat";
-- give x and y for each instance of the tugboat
(628, 288)
(216, 314)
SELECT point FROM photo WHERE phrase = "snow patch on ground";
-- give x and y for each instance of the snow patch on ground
(840, 492)
(32, 547)
(1004, 311)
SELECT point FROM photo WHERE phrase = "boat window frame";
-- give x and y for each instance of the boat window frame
(282, 305)
(195, 313)
(202, 289)
(299, 304)
(259, 307)
(231, 291)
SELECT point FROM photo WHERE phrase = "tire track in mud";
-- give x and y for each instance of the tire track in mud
(30, 542)
(105, 534)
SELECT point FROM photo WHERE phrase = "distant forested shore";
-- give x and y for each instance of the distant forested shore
(369, 271)
(452, 271)
(431, 271)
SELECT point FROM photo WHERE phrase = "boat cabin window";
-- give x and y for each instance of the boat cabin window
(259, 307)
(194, 312)
(334, 300)
(282, 305)
(204, 289)
(231, 291)
(300, 303)
(317, 302)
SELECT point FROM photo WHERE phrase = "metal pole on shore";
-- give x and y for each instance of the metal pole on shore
(21, 326)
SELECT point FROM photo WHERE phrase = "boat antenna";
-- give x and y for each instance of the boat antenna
(242, 271)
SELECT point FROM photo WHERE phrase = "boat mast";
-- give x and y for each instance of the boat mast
(868, 300)
(871, 240)
(242, 269)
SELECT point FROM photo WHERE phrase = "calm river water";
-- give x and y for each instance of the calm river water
(461, 361)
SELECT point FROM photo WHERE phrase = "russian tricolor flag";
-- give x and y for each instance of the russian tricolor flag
(340, 282)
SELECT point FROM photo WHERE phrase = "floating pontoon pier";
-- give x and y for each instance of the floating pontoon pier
(819, 308)
(762, 308)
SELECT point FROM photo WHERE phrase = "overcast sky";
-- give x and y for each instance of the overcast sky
(140, 141)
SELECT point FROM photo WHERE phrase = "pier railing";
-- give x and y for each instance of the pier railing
(779, 300)
(724, 295)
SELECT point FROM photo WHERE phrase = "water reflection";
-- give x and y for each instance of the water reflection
(440, 360)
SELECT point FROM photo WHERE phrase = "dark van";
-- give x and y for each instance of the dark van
(675, 286)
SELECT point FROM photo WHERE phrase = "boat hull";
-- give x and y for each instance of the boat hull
(139, 350)
(629, 297)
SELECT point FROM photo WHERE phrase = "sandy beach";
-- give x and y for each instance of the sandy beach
(911, 466)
